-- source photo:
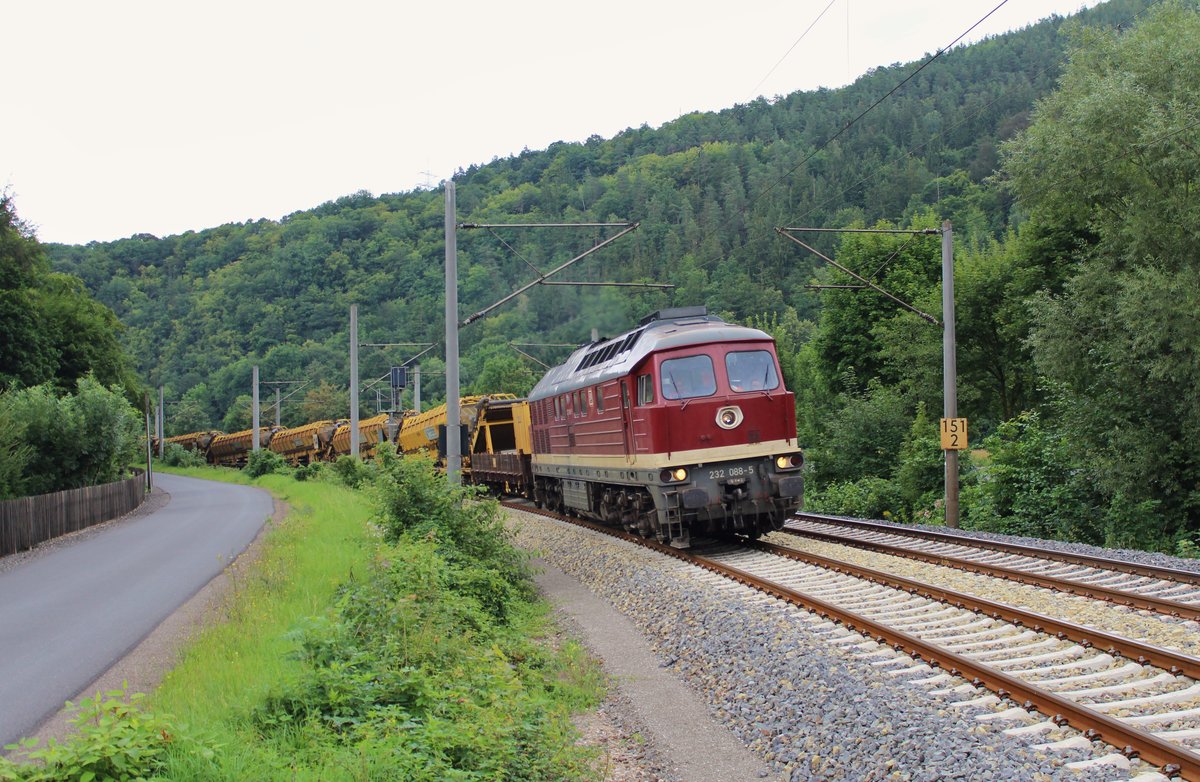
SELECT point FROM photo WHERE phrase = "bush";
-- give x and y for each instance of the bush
(1033, 486)
(81, 439)
(350, 472)
(15, 452)
(306, 471)
(415, 501)
(115, 741)
(870, 498)
(863, 438)
(175, 455)
(921, 473)
(264, 462)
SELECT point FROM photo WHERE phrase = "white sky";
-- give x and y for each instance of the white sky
(161, 116)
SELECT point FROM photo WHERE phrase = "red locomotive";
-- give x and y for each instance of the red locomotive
(681, 425)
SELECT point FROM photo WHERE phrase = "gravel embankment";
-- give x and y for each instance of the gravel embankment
(814, 710)
(1158, 629)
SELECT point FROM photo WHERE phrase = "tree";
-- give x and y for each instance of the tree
(325, 402)
(505, 374)
(54, 331)
(1112, 160)
(27, 355)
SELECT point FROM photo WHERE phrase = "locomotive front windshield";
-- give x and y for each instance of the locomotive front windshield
(751, 370)
(688, 377)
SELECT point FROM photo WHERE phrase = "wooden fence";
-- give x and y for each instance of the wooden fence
(28, 521)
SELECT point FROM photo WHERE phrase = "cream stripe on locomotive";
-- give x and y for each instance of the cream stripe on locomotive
(657, 461)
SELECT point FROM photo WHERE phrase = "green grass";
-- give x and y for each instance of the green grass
(323, 541)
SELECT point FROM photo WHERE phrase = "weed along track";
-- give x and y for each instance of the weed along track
(1038, 674)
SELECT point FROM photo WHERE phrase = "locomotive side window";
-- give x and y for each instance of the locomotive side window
(645, 393)
(599, 399)
(688, 377)
(624, 395)
(751, 370)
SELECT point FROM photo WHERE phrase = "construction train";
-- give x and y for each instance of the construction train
(680, 426)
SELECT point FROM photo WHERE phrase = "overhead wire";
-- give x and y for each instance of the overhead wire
(912, 153)
(821, 147)
(754, 92)
(873, 106)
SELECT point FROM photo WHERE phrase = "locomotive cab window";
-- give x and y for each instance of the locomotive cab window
(688, 377)
(751, 370)
(645, 393)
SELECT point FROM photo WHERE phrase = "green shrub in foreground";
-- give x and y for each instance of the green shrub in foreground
(115, 741)
(264, 462)
(414, 501)
(350, 472)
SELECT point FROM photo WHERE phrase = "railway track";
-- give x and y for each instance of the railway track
(1168, 591)
(1143, 700)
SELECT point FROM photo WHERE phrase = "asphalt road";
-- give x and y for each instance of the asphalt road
(68, 615)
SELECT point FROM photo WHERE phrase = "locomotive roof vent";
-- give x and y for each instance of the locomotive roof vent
(675, 313)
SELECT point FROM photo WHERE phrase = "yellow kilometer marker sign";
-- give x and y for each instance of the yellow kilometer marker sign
(954, 434)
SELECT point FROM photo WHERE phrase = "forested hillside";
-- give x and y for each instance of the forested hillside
(1035, 236)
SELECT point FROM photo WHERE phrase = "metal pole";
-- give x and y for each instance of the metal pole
(149, 449)
(254, 409)
(158, 427)
(949, 369)
(354, 381)
(162, 423)
(417, 388)
(277, 408)
(453, 449)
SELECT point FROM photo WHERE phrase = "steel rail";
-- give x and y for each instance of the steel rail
(1132, 741)
(1143, 653)
(1107, 594)
(1105, 563)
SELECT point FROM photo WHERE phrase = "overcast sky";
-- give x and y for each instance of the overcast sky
(160, 117)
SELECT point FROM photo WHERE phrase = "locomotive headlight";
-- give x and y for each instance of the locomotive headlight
(669, 476)
(680, 474)
(729, 417)
(789, 461)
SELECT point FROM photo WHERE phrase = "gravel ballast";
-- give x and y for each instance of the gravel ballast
(811, 709)
(1171, 632)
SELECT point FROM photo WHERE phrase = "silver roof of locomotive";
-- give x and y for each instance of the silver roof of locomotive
(596, 362)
